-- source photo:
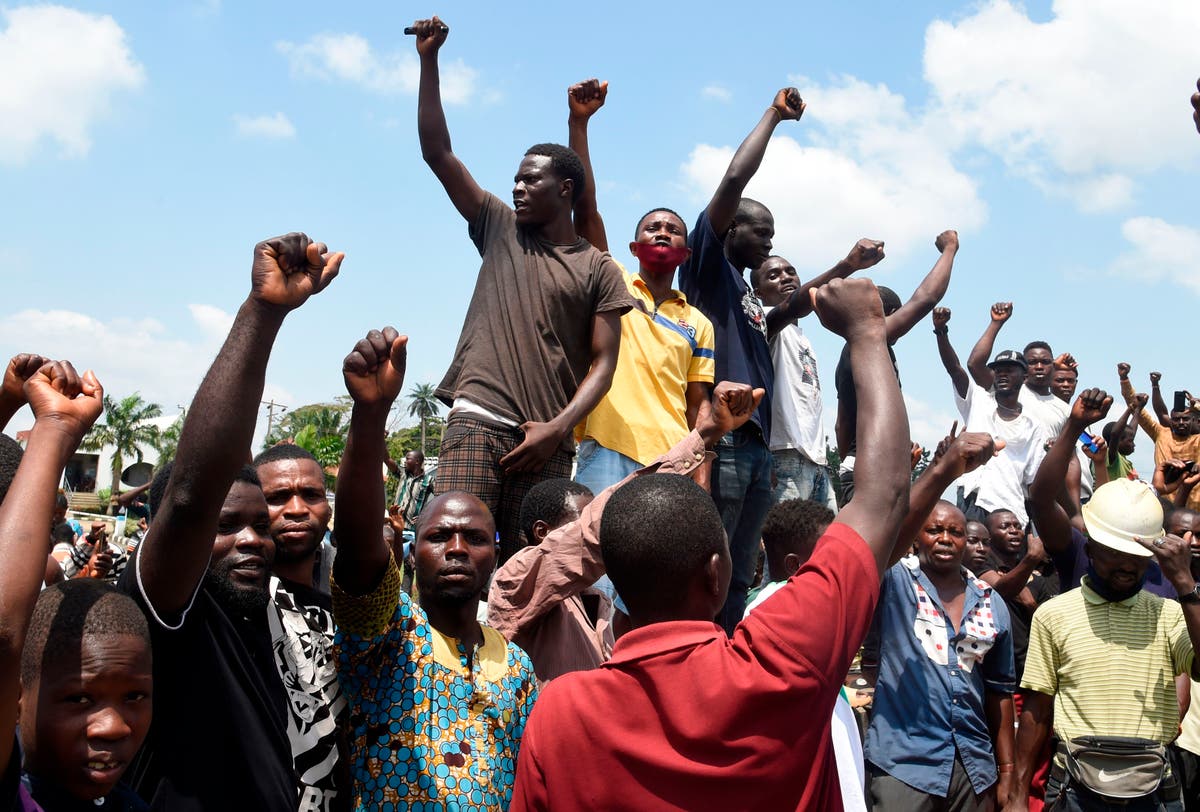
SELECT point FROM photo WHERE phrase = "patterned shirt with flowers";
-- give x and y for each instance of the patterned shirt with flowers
(929, 704)
(428, 731)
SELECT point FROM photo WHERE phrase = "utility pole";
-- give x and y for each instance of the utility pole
(271, 407)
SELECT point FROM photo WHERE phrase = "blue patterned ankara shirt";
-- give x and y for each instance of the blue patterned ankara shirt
(427, 731)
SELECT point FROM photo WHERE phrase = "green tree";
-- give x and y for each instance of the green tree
(326, 419)
(126, 429)
(423, 405)
(168, 440)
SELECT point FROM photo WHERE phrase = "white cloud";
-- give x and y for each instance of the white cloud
(128, 354)
(928, 424)
(275, 125)
(1077, 103)
(131, 355)
(59, 69)
(350, 58)
(214, 321)
(717, 93)
(875, 170)
(1159, 250)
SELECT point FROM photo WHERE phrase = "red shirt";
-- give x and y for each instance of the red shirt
(684, 718)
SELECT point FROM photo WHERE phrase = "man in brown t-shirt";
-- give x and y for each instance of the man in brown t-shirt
(539, 344)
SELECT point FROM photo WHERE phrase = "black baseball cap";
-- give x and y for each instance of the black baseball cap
(1009, 357)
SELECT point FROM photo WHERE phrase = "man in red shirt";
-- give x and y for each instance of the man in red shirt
(683, 717)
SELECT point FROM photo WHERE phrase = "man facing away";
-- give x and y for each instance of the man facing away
(540, 340)
(718, 706)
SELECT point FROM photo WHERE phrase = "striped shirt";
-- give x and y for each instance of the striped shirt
(1110, 666)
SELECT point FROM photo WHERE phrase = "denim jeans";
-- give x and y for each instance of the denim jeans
(597, 467)
(798, 477)
(741, 488)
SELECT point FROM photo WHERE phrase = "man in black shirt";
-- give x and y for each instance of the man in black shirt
(219, 738)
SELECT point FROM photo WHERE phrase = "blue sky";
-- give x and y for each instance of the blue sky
(154, 144)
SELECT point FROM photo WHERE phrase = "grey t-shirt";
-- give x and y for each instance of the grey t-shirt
(526, 343)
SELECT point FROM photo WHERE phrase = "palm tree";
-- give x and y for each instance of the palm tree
(126, 429)
(168, 440)
(422, 403)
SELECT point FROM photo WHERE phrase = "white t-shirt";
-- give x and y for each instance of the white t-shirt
(847, 746)
(1046, 409)
(796, 403)
(1003, 482)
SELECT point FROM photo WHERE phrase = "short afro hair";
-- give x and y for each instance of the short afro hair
(547, 502)
(793, 526)
(889, 298)
(10, 457)
(565, 163)
(67, 612)
(1037, 345)
(158, 488)
(284, 451)
(638, 228)
(657, 532)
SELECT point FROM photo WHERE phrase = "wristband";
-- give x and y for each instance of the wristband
(1004, 769)
(944, 330)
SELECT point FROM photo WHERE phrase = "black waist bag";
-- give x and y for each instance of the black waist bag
(1116, 766)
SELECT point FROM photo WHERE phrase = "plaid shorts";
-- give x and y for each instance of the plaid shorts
(469, 460)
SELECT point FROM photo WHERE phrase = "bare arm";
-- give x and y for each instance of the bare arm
(1118, 432)
(1053, 524)
(748, 158)
(929, 292)
(1174, 556)
(374, 375)
(1000, 718)
(541, 439)
(584, 99)
(955, 457)
(173, 558)
(1012, 583)
(1032, 734)
(953, 367)
(864, 254)
(696, 393)
(1156, 399)
(981, 353)
(60, 421)
(851, 308)
(464, 192)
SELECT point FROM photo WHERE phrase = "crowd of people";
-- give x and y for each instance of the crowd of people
(633, 582)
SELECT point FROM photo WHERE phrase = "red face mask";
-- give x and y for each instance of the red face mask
(660, 258)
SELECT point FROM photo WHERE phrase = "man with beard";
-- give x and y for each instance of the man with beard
(665, 368)
(301, 623)
(201, 573)
(542, 333)
(438, 702)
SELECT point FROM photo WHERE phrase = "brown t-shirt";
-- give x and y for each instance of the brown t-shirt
(526, 343)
